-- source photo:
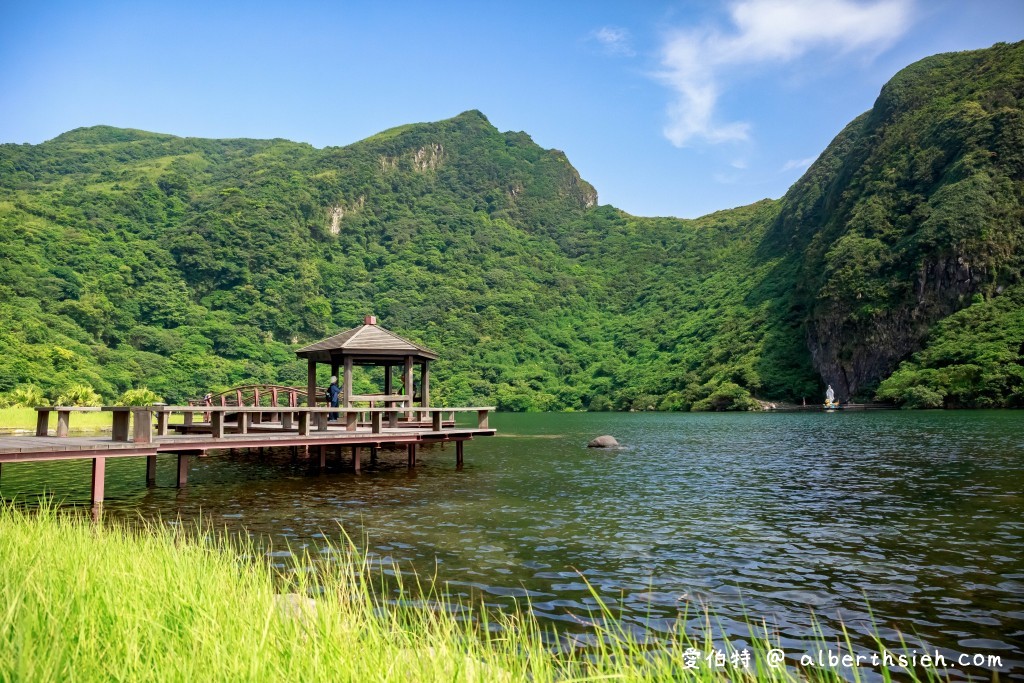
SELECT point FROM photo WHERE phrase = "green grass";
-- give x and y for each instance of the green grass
(84, 601)
(25, 418)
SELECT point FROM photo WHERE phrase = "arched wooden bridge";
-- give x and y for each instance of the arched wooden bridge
(255, 395)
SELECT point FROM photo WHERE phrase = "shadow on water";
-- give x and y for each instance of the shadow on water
(780, 516)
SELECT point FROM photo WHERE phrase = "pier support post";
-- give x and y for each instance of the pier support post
(150, 470)
(323, 457)
(356, 454)
(99, 467)
(458, 454)
(182, 469)
(411, 454)
(373, 454)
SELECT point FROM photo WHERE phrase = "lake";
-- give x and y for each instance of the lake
(785, 517)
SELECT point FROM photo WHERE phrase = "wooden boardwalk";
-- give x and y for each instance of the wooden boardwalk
(254, 428)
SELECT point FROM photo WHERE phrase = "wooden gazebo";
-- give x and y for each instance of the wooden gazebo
(371, 345)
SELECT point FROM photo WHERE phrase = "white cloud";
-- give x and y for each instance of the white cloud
(693, 61)
(614, 40)
(797, 163)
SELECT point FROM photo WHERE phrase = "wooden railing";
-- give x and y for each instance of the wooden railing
(63, 417)
(302, 419)
(255, 395)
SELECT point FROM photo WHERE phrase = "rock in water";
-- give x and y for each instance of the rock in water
(605, 441)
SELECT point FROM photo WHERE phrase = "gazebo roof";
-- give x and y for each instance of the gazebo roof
(369, 341)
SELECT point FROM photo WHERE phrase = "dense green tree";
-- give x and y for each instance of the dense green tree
(186, 265)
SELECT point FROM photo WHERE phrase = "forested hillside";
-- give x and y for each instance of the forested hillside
(185, 265)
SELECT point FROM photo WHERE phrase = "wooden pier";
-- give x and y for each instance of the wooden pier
(382, 420)
(149, 432)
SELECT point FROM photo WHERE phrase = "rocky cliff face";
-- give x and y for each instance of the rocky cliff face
(913, 210)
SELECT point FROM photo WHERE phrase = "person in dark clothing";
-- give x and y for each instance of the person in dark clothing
(333, 392)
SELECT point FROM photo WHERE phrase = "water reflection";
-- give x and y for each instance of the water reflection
(774, 516)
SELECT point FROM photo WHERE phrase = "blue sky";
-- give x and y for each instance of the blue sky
(668, 108)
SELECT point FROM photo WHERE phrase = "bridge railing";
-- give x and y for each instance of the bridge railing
(255, 395)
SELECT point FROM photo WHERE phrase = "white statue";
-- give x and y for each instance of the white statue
(830, 396)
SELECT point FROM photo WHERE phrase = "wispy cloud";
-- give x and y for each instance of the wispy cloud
(797, 163)
(615, 41)
(695, 62)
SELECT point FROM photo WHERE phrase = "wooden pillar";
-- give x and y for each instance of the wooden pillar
(375, 422)
(389, 388)
(411, 454)
(436, 420)
(182, 469)
(481, 419)
(351, 420)
(63, 420)
(161, 423)
(43, 422)
(373, 454)
(458, 454)
(99, 466)
(303, 424)
(244, 420)
(120, 429)
(346, 383)
(311, 383)
(425, 384)
(150, 470)
(143, 432)
(323, 457)
(189, 417)
(217, 424)
(410, 392)
(286, 420)
(356, 454)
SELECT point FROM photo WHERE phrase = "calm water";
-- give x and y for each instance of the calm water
(920, 515)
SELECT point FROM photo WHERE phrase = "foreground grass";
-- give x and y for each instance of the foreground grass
(88, 602)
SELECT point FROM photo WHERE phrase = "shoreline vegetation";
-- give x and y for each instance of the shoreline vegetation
(106, 601)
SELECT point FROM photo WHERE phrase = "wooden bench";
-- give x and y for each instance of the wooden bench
(63, 417)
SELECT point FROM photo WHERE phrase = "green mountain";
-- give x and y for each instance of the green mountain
(182, 264)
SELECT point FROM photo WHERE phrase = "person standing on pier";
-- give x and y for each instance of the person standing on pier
(333, 392)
